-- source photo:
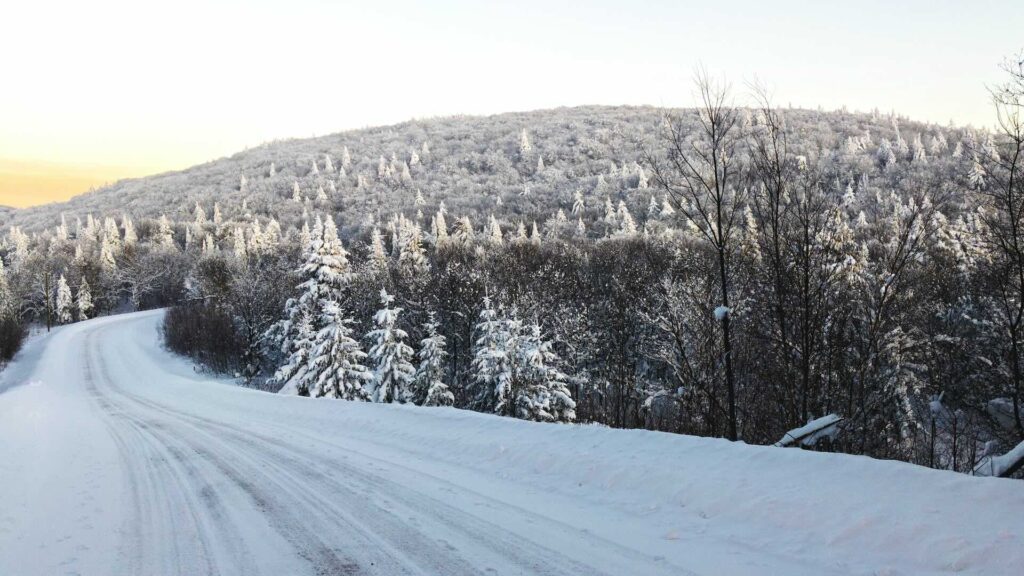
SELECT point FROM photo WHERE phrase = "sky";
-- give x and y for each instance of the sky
(91, 92)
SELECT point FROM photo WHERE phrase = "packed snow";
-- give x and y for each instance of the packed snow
(118, 458)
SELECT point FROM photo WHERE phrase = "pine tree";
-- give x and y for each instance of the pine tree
(336, 367)
(391, 357)
(107, 261)
(535, 234)
(412, 258)
(463, 231)
(652, 208)
(199, 216)
(492, 360)
(62, 229)
(130, 236)
(298, 340)
(439, 227)
(540, 390)
(84, 301)
(524, 144)
(428, 387)
(666, 208)
(164, 235)
(326, 274)
(65, 305)
(494, 231)
(627, 226)
(577, 203)
(238, 247)
(378, 255)
(641, 178)
(7, 307)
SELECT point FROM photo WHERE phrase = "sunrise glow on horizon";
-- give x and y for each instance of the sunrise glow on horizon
(114, 89)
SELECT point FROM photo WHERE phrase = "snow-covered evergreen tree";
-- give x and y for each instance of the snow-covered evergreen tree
(539, 389)
(390, 355)
(336, 368)
(493, 351)
(577, 203)
(378, 255)
(64, 303)
(428, 387)
(83, 301)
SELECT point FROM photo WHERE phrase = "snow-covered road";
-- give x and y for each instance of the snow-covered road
(117, 458)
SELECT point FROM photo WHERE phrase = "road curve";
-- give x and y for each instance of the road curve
(141, 466)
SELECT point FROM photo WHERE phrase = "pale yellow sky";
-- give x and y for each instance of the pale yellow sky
(28, 183)
(97, 91)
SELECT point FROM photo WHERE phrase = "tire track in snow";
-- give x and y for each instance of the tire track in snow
(294, 465)
(165, 444)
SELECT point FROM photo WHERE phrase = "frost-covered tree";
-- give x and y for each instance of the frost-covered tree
(428, 387)
(64, 303)
(164, 237)
(577, 203)
(378, 255)
(494, 233)
(390, 355)
(83, 301)
(199, 216)
(131, 237)
(326, 273)
(493, 353)
(524, 143)
(336, 368)
(298, 345)
(540, 391)
(412, 258)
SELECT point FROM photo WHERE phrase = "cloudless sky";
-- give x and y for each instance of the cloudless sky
(112, 88)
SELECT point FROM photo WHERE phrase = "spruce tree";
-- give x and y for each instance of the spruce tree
(64, 304)
(391, 356)
(84, 300)
(336, 367)
(428, 387)
(540, 390)
(491, 366)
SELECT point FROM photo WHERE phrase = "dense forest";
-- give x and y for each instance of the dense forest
(722, 271)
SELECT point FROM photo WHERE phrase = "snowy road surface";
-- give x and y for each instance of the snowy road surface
(117, 458)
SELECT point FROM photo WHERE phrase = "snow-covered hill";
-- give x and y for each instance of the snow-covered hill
(476, 165)
(117, 458)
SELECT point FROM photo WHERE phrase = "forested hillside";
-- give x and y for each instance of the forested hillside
(520, 166)
(716, 271)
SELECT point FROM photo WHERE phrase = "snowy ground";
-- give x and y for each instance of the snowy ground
(116, 458)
